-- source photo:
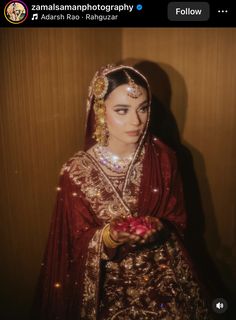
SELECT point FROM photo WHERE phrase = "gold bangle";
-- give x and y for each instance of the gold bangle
(108, 241)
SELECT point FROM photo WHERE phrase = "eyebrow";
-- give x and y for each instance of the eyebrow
(129, 106)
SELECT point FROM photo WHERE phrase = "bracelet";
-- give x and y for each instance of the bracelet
(108, 241)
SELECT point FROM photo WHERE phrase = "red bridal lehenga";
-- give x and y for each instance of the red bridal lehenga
(82, 279)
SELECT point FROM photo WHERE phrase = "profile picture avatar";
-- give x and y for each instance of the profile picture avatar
(16, 12)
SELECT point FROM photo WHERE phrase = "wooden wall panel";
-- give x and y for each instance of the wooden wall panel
(44, 79)
(198, 68)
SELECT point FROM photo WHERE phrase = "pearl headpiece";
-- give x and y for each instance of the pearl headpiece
(134, 91)
(100, 87)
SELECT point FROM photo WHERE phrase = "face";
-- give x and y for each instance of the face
(126, 117)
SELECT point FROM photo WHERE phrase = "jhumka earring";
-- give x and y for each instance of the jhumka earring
(100, 87)
(134, 90)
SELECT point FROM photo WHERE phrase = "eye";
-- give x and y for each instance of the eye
(143, 109)
(121, 111)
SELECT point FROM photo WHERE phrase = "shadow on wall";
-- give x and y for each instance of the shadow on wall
(167, 84)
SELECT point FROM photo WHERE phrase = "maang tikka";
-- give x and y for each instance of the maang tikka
(99, 89)
(133, 90)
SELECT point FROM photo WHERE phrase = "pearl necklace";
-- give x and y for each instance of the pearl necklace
(112, 161)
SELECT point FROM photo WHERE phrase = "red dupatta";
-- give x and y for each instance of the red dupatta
(161, 187)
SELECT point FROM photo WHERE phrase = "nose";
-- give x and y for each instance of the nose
(135, 119)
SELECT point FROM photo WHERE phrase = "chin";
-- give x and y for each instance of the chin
(127, 140)
(132, 140)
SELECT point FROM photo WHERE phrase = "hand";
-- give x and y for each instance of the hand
(133, 238)
(121, 236)
(151, 235)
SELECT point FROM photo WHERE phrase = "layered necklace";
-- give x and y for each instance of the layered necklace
(112, 161)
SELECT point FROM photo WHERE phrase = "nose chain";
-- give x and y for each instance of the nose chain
(112, 161)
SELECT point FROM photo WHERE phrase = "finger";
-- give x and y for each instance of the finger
(132, 237)
(120, 237)
(146, 236)
(153, 231)
(125, 238)
(149, 233)
(132, 242)
(113, 233)
(136, 241)
(138, 238)
(123, 234)
(114, 237)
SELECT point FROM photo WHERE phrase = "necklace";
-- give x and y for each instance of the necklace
(112, 161)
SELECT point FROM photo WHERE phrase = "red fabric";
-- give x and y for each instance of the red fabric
(161, 192)
(90, 128)
(73, 226)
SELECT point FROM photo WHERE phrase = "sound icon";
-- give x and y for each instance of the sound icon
(219, 305)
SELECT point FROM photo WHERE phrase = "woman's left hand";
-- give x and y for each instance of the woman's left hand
(149, 235)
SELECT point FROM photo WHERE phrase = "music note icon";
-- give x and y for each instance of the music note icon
(35, 16)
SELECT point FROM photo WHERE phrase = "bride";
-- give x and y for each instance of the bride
(115, 248)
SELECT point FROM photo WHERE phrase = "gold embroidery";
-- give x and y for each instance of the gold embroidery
(106, 204)
(149, 284)
(118, 182)
(130, 193)
(152, 284)
(104, 201)
(92, 277)
(94, 188)
(130, 313)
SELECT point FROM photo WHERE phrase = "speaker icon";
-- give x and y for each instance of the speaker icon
(219, 305)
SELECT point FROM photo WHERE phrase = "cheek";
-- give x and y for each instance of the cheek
(144, 118)
(114, 121)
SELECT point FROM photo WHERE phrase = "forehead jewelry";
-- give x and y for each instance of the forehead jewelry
(134, 91)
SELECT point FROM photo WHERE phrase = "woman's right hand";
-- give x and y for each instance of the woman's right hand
(121, 236)
(125, 237)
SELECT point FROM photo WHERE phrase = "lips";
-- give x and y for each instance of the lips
(133, 133)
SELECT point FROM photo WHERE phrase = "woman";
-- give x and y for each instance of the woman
(115, 245)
